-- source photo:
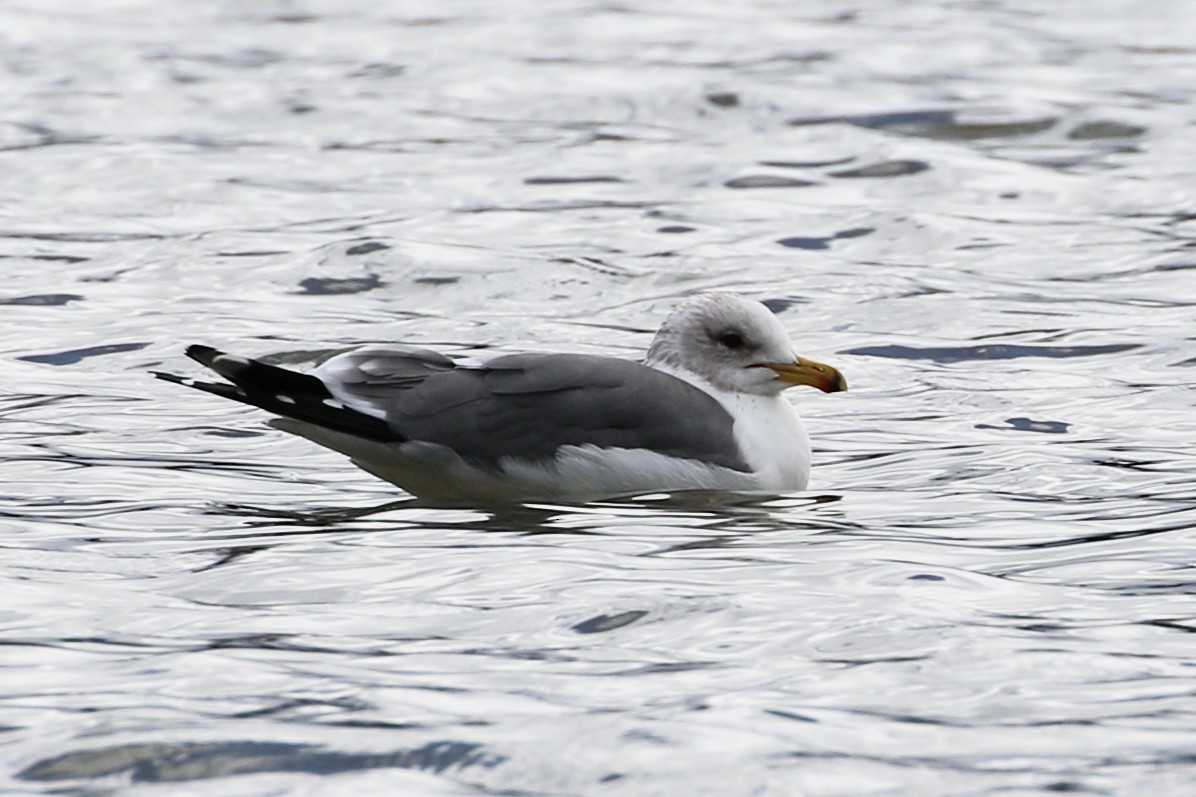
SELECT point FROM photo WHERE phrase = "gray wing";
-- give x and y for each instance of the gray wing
(374, 373)
(526, 406)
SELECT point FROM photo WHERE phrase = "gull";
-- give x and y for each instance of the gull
(703, 411)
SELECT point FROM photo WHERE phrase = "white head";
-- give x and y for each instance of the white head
(735, 344)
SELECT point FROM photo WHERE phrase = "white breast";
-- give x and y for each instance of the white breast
(772, 438)
(769, 432)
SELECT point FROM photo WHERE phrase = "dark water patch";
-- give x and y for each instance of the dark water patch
(1137, 465)
(207, 141)
(17, 402)
(602, 266)
(72, 356)
(293, 18)
(670, 667)
(811, 164)
(1172, 625)
(245, 58)
(1029, 425)
(1181, 266)
(561, 206)
(111, 276)
(608, 622)
(366, 248)
(436, 280)
(789, 715)
(1179, 586)
(864, 661)
(60, 258)
(176, 762)
(780, 305)
(981, 244)
(48, 258)
(675, 229)
(801, 242)
(334, 286)
(402, 145)
(572, 179)
(897, 120)
(706, 544)
(723, 99)
(229, 555)
(1085, 539)
(798, 242)
(767, 181)
(1000, 351)
(43, 136)
(297, 706)
(254, 253)
(738, 64)
(377, 70)
(968, 131)
(384, 725)
(293, 185)
(318, 518)
(895, 168)
(264, 641)
(43, 300)
(1091, 131)
(948, 127)
(937, 124)
(81, 237)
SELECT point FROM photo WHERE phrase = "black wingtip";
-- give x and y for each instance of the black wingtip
(175, 378)
(283, 392)
(221, 389)
(230, 366)
(202, 354)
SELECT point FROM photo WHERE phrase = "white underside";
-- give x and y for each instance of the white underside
(767, 429)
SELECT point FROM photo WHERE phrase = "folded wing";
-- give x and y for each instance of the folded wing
(523, 407)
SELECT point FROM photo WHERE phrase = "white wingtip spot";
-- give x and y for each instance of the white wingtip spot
(187, 382)
(284, 399)
(336, 405)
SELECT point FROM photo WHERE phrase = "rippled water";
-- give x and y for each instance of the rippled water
(983, 212)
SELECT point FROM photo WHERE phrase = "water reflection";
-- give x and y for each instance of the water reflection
(170, 763)
(697, 509)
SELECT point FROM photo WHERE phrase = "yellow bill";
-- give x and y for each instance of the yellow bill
(807, 372)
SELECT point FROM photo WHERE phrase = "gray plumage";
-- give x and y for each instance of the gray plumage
(527, 406)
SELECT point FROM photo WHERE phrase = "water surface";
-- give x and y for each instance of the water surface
(983, 213)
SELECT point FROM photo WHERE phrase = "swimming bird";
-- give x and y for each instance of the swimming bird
(704, 411)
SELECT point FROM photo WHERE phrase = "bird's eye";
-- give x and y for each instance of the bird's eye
(731, 340)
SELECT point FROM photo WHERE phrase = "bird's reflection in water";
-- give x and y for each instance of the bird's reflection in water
(712, 511)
